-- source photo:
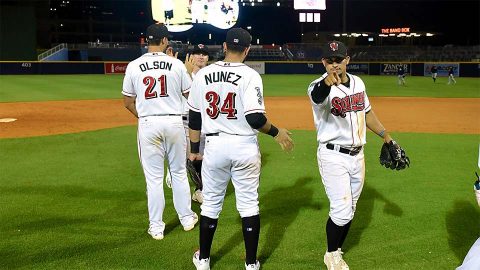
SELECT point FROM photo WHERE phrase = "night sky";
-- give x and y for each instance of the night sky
(457, 22)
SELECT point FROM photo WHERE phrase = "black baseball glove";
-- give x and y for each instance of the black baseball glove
(393, 156)
(194, 172)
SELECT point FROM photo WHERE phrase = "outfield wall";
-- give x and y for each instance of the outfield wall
(463, 69)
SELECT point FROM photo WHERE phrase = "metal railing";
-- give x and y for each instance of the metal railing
(53, 50)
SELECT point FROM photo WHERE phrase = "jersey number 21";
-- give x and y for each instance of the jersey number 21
(151, 82)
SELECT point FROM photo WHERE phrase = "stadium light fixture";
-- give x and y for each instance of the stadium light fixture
(249, 27)
(278, 4)
(337, 35)
(260, 1)
(344, 35)
(209, 36)
(364, 35)
(253, 4)
(258, 41)
(429, 35)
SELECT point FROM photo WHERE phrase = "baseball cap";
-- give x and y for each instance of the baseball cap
(200, 49)
(157, 31)
(334, 49)
(238, 36)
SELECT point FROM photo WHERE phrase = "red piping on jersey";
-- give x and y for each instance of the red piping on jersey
(251, 111)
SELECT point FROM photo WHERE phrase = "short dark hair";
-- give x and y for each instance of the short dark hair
(154, 42)
(235, 48)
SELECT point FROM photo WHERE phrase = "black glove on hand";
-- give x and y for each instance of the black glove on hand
(393, 156)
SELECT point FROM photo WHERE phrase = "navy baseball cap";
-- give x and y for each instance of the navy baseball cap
(200, 49)
(238, 36)
(334, 49)
(157, 32)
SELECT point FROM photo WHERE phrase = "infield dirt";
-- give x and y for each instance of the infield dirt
(398, 114)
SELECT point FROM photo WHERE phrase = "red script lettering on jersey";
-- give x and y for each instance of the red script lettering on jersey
(352, 103)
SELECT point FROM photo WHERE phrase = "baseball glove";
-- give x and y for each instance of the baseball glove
(393, 156)
(195, 175)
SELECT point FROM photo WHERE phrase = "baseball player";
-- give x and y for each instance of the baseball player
(342, 112)
(200, 60)
(451, 76)
(434, 72)
(226, 104)
(401, 75)
(153, 87)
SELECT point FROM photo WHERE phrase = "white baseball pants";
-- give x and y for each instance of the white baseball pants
(343, 177)
(161, 137)
(231, 157)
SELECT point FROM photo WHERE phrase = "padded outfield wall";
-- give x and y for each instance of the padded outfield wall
(461, 69)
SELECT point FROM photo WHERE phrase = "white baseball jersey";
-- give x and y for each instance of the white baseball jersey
(223, 109)
(340, 118)
(158, 82)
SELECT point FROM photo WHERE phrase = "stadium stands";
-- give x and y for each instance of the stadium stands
(293, 52)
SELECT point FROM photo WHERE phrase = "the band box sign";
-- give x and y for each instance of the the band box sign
(115, 68)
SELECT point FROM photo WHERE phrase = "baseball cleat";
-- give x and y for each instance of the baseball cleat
(203, 264)
(168, 179)
(192, 225)
(197, 196)
(155, 235)
(253, 266)
(334, 261)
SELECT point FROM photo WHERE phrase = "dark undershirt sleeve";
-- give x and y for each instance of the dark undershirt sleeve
(256, 120)
(320, 92)
(194, 120)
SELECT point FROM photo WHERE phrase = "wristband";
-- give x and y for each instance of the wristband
(194, 147)
(273, 131)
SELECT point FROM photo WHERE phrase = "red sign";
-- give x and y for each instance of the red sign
(395, 30)
(115, 68)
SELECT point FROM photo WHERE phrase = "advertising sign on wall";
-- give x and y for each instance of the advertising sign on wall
(257, 66)
(391, 68)
(358, 68)
(442, 69)
(115, 68)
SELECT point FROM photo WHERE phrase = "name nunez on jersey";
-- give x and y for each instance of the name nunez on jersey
(155, 65)
(351, 103)
(222, 76)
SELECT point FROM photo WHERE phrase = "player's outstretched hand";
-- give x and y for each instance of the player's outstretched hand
(333, 79)
(189, 63)
(170, 52)
(283, 138)
(194, 156)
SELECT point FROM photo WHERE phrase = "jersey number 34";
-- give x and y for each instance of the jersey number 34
(228, 106)
(151, 82)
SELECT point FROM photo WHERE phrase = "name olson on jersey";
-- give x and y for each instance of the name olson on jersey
(155, 65)
(352, 103)
(222, 76)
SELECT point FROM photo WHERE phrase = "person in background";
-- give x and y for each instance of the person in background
(472, 260)
(434, 72)
(401, 75)
(451, 76)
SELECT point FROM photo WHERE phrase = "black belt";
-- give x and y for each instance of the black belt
(163, 114)
(185, 118)
(212, 134)
(351, 152)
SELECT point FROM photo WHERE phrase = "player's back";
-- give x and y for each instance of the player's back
(157, 80)
(224, 93)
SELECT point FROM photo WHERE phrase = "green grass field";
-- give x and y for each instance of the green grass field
(71, 87)
(77, 201)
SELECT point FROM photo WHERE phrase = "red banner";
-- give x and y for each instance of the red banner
(115, 68)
